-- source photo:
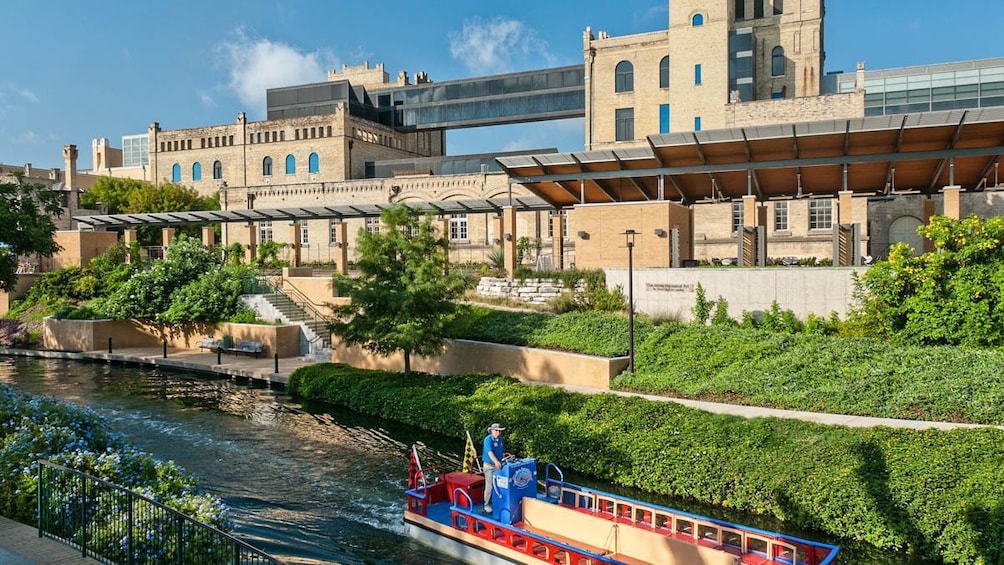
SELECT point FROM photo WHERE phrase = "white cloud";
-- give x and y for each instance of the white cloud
(28, 95)
(206, 99)
(497, 46)
(254, 64)
(29, 138)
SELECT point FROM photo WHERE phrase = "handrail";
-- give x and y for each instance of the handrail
(117, 525)
(310, 312)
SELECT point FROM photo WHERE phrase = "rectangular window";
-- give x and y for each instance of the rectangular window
(737, 215)
(740, 9)
(624, 118)
(780, 216)
(304, 234)
(373, 225)
(264, 232)
(697, 73)
(458, 227)
(663, 118)
(333, 232)
(820, 214)
(697, 123)
(564, 225)
(758, 8)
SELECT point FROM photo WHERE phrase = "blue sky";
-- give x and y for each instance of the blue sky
(74, 71)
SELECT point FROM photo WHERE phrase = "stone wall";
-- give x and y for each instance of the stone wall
(530, 291)
(794, 110)
(524, 363)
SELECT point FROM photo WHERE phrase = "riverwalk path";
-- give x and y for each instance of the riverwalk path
(20, 544)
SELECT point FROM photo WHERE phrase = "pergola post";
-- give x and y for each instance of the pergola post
(166, 237)
(128, 238)
(208, 237)
(252, 250)
(953, 203)
(927, 212)
(342, 249)
(509, 239)
(295, 245)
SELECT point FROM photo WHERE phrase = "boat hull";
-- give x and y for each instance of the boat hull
(459, 544)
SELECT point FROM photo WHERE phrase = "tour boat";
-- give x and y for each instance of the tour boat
(576, 525)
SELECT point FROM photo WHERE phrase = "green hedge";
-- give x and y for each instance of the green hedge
(936, 494)
(816, 373)
(592, 333)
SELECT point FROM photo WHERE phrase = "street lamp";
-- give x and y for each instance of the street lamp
(629, 238)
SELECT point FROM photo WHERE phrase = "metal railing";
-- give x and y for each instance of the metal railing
(303, 308)
(115, 525)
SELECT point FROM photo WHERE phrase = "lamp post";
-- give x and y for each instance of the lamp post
(629, 238)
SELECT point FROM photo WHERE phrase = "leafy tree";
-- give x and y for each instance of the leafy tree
(169, 197)
(26, 227)
(402, 299)
(213, 297)
(112, 192)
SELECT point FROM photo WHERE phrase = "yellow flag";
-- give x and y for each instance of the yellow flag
(470, 456)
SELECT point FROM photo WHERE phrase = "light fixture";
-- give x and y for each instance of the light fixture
(507, 236)
(583, 235)
(659, 232)
(496, 241)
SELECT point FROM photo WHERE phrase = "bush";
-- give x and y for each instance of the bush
(934, 494)
(33, 428)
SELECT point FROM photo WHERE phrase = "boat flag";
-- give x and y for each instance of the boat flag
(470, 456)
(414, 470)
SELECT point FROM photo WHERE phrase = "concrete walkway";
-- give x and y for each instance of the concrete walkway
(20, 544)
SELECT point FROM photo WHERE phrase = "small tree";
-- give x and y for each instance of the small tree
(402, 299)
(26, 227)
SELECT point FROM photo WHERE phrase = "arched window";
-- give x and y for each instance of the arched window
(217, 170)
(664, 73)
(312, 163)
(197, 171)
(176, 173)
(624, 77)
(697, 20)
(777, 62)
(266, 167)
(290, 165)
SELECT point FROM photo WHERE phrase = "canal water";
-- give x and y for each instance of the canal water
(306, 483)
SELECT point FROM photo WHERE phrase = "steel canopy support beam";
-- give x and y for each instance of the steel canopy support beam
(948, 158)
(634, 181)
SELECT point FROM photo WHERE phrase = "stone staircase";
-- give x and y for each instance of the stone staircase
(272, 304)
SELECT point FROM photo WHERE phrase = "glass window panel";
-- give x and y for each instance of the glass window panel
(963, 91)
(895, 97)
(877, 99)
(967, 77)
(895, 81)
(919, 81)
(942, 93)
(876, 111)
(992, 74)
(992, 89)
(992, 101)
(921, 95)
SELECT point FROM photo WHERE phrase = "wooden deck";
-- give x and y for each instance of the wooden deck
(20, 545)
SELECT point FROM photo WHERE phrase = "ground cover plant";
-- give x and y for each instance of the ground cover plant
(936, 494)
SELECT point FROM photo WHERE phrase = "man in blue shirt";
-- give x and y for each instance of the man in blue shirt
(492, 453)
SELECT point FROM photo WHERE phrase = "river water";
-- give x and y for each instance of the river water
(307, 484)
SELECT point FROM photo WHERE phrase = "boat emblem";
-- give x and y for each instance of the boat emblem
(522, 477)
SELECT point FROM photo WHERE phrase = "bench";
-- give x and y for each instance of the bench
(247, 347)
(210, 343)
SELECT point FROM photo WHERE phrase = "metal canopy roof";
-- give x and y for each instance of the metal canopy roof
(911, 152)
(339, 212)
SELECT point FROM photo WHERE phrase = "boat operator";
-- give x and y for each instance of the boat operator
(492, 453)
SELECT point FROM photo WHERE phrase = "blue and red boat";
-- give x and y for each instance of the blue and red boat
(575, 525)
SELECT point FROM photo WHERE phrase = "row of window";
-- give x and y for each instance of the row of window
(254, 137)
(820, 215)
(624, 71)
(458, 229)
(313, 166)
(624, 122)
(759, 8)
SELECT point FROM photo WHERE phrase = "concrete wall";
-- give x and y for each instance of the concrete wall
(78, 248)
(92, 335)
(673, 292)
(463, 356)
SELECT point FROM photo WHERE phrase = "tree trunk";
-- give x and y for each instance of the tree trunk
(407, 362)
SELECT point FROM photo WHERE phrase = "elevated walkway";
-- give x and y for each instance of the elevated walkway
(20, 545)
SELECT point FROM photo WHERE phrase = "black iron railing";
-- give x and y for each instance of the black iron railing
(115, 525)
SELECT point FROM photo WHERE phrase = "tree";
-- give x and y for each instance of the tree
(112, 192)
(26, 227)
(402, 299)
(168, 197)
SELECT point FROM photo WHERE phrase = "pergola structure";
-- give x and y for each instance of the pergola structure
(872, 155)
(503, 208)
(922, 153)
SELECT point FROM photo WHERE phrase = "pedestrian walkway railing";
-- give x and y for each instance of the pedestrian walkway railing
(118, 526)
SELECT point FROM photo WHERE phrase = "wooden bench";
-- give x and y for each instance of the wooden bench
(210, 343)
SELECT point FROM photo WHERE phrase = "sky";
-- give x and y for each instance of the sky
(74, 71)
